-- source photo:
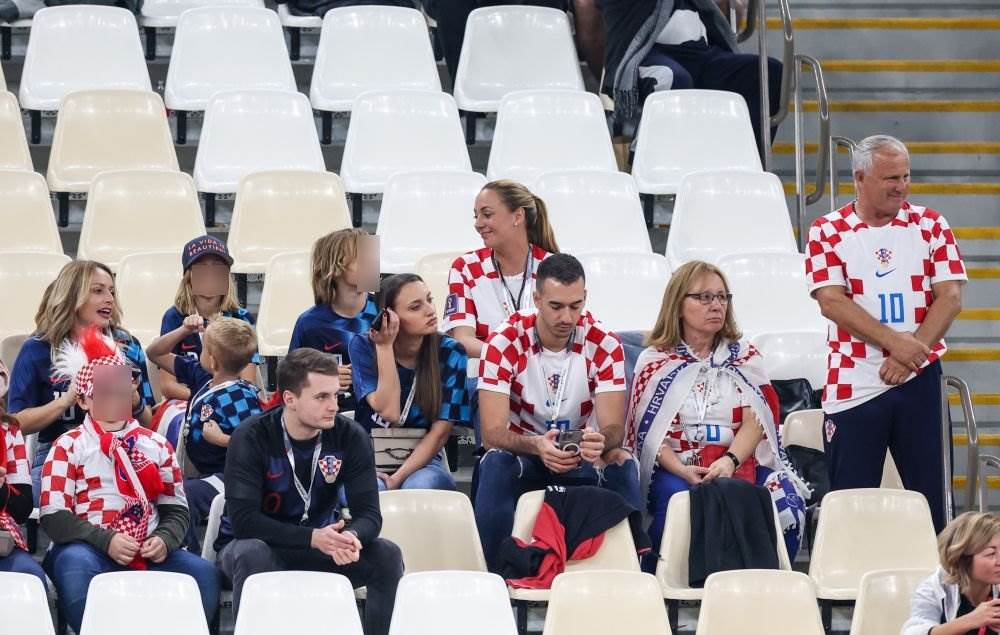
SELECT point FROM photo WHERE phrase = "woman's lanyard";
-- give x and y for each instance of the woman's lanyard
(515, 302)
(554, 402)
(304, 493)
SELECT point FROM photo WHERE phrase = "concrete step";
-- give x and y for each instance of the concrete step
(978, 365)
(967, 76)
(927, 158)
(887, 8)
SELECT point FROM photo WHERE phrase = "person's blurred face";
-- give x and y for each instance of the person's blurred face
(316, 406)
(209, 276)
(99, 306)
(415, 308)
(985, 566)
(112, 399)
(886, 185)
(560, 305)
(704, 319)
(496, 223)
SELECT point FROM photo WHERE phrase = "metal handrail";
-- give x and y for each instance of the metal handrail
(965, 399)
(837, 142)
(985, 460)
(802, 200)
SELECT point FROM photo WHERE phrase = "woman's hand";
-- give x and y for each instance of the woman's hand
(722, 466)
(986, 614)
(692, 474)
(390, 482)
(387, 334)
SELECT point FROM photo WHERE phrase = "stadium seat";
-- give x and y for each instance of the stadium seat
(759, 602)
(513, 48)
(26, 214)
(14, 153)
(365, 48)
(400, 131)
(794, 354)
(549, 130)
(297, 602)
(283, 210)
(625, 290)
(165, 13)
(434, 269)
(223, 49)
(24, 276)
(212, 525)
(146, 284)
(580, 603)
(883, 604)
(10, 346)
(254, 131)
(684, 131)
(863, 530)
(24, 605)
(425, 213)
(116, 602)
(80, 47)
(452, 603)
(102, 130)
(435, 529)
(803, 428)
(594, 210)
(724, 212)
(163, 203)
(287, 293)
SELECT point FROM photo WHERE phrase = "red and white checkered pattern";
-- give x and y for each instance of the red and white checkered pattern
(79, 477)
(475, 292)
(511, 364)
(15, 461)
(888, 271)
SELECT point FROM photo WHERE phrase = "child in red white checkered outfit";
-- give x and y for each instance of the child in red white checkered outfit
(112, 493)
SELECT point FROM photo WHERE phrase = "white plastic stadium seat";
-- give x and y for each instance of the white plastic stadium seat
(743, 602)
(164, 204)
(793, 354)
(298, 21)
(26, 214)
(579, 601)
(368, 48)
(726, 212)
(583, 202)
(283, 210)
(448, 602)
(14, 153)
(400, 131)
(425, 213)
(144, 284)
(212, 527)
(436, 530)
(253, 131)
(549, 130)
(165, 13)
(222, 49)
(297, 602)
(513, 48)
(24, 605)
(684, 131)
(287, 293)
(10, 347)
(803, 428)
(863, 530)
(625, 290)
(102, 130)
(116, 602)
(80, 47)
(434, 269)
(24, 276)
(883, 604)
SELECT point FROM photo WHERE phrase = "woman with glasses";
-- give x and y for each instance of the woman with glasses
(701, 405)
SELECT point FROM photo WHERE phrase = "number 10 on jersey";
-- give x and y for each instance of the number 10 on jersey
(892, 308)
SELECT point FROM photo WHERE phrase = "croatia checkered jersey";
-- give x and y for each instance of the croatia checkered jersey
(15, 457)
(79, 477)
(476, 296)
(888, 271)
(512, 363)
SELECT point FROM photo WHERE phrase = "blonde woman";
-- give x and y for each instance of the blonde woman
(82, 295)
(962, 595)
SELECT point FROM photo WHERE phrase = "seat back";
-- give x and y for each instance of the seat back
(116, 602)
(883, 604)
(434, 269)
(625, 290)
(24, 276)
(743, 602)
(803, 428)
(10, 347)
(283, 210)
(103, 130)
(685, 131)
(165, 13)
(436, 530)
(770, 292)
(226, 48)
(579, 604)
(297, 602)
(513, 48)
(81, 47)
(394, 131)
(24, 604)
(287, 293)
(371, 48)
(212, 527)
(425, 213)
(549, 130)
(146, 285)
(448, 602)
(14, 153)
(794, 354)
(26, 214)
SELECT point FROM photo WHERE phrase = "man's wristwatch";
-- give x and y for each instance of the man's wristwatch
(732, 457)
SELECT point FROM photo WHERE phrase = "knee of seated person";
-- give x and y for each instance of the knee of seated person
(617, 456)
(497, 460)
(384, 555)
(253, 553)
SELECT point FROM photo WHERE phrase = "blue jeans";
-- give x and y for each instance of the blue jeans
(472, 387)
(41, 453)
(504, 476)
(200, 493)
(434, 475)
(20, 561)
(73, 565)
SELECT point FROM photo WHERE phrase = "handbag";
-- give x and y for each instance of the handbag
(747, 471)
(392, 446)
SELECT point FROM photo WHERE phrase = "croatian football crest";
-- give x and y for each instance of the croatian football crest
(884, 258)
(831, 429)
(329, 467)
(206, 412)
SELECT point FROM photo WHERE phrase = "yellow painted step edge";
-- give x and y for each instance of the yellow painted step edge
(907, 105)
(923, 24)
(992, 481)
(977, 189)
(915, 147)
(972, 355)
(911, 66)
(980, 314)
(983, 273)
(978, 399)
(977, 233)
(985, 438)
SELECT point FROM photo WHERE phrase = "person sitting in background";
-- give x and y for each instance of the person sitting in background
(344, 272)
(963, 596)
(702, 406)
(407, 375)
(221, 400)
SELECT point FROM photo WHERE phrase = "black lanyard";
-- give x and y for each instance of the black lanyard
(524, 279)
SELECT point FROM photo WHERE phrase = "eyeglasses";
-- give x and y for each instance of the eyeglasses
(706, 297)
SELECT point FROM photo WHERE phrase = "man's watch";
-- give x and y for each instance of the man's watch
(732, 457)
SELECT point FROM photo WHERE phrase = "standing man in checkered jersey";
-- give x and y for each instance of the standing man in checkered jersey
(889, 276)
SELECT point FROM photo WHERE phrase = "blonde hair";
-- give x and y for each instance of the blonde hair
(184, 300)
(962, 539)
(331, 256)
(536, 214)
(668, 330)
(64, 297)
(232, 342)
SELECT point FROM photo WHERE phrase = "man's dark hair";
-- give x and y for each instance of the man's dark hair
(563, 268)
(293, 370)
